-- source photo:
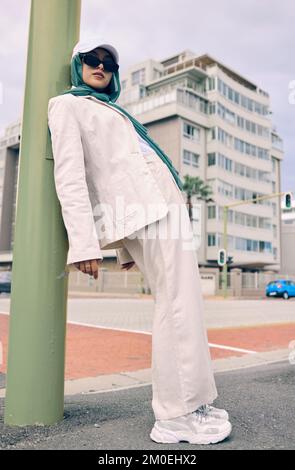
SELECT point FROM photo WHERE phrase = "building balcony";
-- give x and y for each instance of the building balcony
(277, 142)
(175, 95)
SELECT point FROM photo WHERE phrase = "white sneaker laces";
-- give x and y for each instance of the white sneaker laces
(202, 412)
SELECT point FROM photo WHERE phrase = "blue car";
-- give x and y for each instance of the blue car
(280, 288)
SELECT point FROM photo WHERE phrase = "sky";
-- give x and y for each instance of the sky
(255, 38)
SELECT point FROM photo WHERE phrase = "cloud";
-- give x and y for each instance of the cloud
(255, 38)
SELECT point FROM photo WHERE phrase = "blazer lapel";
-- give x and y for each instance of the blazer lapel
(106, 104)
(129, 122)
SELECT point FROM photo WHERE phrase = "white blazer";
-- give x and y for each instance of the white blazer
(104, 185)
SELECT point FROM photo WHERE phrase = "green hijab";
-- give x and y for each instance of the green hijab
(110, 95)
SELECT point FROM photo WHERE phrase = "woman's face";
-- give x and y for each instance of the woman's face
(89, 74)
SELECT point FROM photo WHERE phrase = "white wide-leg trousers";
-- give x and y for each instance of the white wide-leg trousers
(182, 375)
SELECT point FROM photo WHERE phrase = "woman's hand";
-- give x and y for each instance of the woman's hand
(128, 265)
(89, 266)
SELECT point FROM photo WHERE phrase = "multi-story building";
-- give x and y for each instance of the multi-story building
(9, 152)
(215, 124)
(9, 159)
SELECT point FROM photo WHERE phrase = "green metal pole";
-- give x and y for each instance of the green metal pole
(38, 309)
(224, 268)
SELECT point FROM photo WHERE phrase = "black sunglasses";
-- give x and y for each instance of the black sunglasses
(92, 60)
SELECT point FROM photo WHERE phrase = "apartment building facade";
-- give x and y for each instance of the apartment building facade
(9, 159)
(215, 124)
(9, 166)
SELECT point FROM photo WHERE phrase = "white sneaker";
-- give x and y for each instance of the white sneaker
(195, 428)
(210, 410)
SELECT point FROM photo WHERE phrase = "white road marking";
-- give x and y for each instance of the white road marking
(231, 348)
(109, 328)
(212, 345)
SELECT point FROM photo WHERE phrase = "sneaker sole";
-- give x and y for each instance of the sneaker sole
(224, 416)
(169, 437)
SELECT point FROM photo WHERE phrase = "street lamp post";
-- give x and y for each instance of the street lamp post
(224, 268)
(36, 354)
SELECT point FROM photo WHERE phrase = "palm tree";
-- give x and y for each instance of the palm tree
(195, 186)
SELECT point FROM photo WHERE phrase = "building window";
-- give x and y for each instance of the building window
(250, 149)
(265, 247)
(242, 100)
(211, 83)
(190, 158)
(195, 160)
(276, 142)
(156, 74)
(274, 229)
(212, 133)
(212, 108)
(224, 137)
(226, 114)
(273, 162)
(211, 239)
(211, 159)
(274, 209)
(191, 132)
(264, 222)
(192, 101)
(211, 212)
(186, 158)
(225, 189)
(142, 91)
(224, 162)
(138, 77)
(241, 244)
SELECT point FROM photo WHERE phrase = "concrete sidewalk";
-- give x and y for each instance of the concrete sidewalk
(260, 402)
(142, 377)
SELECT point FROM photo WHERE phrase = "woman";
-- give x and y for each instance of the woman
(103, 155)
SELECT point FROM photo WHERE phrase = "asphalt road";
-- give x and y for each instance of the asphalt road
(260, 401)
(137, 314)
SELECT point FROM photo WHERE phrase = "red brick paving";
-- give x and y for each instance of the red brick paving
(95, 351)
(256, 338)
(103, 351)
